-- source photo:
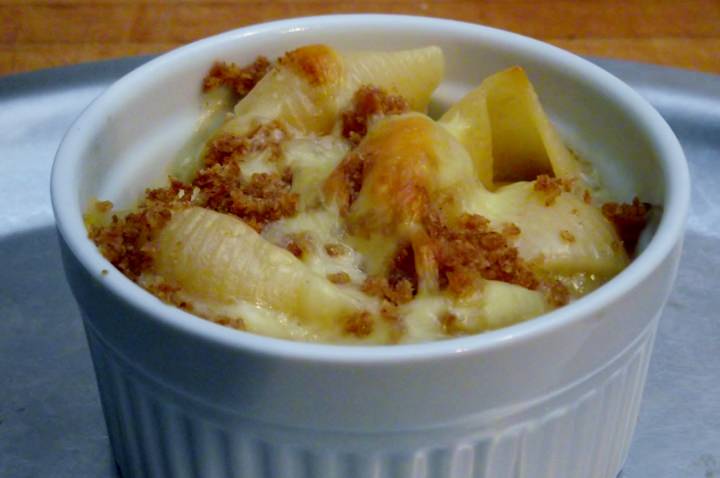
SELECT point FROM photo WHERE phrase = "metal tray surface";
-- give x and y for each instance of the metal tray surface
(50, 418)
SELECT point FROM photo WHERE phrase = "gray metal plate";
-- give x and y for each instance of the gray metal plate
(50, 418)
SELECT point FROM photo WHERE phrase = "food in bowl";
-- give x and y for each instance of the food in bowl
(319, 202)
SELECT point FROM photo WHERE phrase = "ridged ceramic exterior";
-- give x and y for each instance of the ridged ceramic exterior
(553, 397)
(583, 431)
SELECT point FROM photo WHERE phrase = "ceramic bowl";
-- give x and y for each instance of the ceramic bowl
(556, 396)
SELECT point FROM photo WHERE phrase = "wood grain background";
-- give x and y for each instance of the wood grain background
(38, 34)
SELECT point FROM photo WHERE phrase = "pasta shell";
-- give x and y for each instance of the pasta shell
(412, 73)
(218, 258)
(505, 129)
(564, 236)
(498, 304)
(310, 85)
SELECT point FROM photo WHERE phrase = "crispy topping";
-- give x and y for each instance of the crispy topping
(369, 102)
(335, 250)
(103, 206)
(567, 236)
(319, 65)
(345, 182)
(510, 230)
(227, 147)
(587, 198)
(629, 220)
(399, 293)
(264, 198)
(360, 325)
(235, 323)
(167, 293)
(240, 79)
(450, 324)
(551, 187)
(556, 293)
(470, 250)
(127, 241)
(339, 278)
(295, 249)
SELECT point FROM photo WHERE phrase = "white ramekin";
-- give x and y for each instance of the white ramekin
(553, 397)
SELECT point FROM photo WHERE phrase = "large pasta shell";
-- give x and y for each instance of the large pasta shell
(414, 74)
(218, 258)
(310, 85)
(562, 236)
(503, 126)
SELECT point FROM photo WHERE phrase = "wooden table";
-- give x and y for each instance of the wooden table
(38, 34)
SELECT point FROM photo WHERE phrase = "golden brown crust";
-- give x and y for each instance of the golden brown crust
(629, 220)
(319, 65)
(240, 79)
(369, 102)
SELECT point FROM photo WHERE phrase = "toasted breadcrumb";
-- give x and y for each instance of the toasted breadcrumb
(335, 250)
(360, 325)
(232, 148)
(510, 230)
(567, 236)
(551, 187)
(587, 197)
(127, 241)
(264, 198)
(398, 293)
(471, 249)
(294, 249)
(346, 180)
(629, 220)
(369, 102)
(166, 292)
(103, 206)
(235, 323)
(556, 293)
(450, 324)
(240, 79)
(339, 278)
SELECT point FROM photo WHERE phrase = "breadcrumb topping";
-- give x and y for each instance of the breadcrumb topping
(240, 79)
(471, 249)
(360, 325)
(551, 187)
(339, 278)
(259, 200)
(227, 147)
(368, 104)
(629, 220)
(335, 250)
(127, 240)
(567, 236)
